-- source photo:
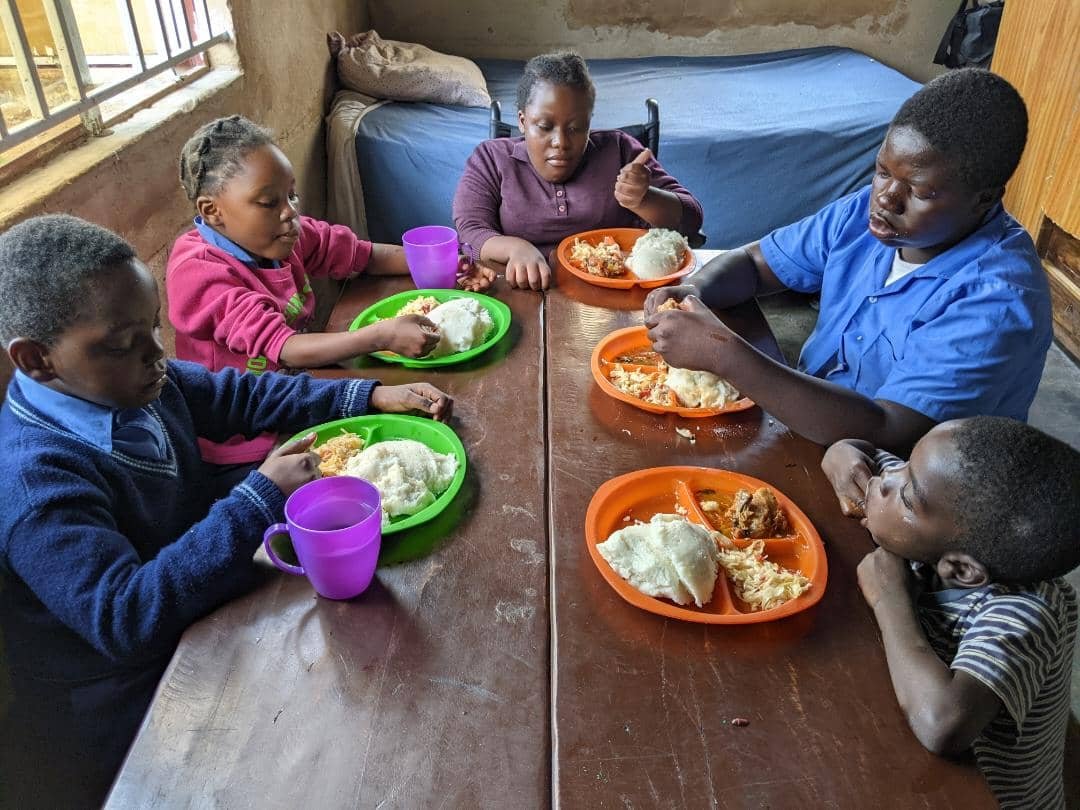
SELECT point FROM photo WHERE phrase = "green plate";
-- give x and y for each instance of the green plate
(388, 308)
(381, 427)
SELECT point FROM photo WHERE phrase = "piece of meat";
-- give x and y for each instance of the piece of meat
(757, 514)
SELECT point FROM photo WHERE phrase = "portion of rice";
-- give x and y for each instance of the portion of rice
(700, 389)
(656, 253)
(463, 324)
(409, 475)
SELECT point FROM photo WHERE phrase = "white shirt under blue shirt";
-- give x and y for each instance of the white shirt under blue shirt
(965, 334)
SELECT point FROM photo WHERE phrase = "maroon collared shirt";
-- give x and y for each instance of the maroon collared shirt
(500, 193)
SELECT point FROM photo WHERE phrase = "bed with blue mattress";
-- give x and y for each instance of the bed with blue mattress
(762, 140)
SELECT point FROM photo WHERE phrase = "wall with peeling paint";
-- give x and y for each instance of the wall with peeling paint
(901, 33)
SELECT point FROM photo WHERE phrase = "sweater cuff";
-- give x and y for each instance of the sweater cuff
(264, 494)
(355, 397)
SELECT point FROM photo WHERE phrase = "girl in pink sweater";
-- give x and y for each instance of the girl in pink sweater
(239, 284)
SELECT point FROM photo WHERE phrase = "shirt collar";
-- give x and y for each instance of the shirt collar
(228, 245)
(974, 245)
(88, 420)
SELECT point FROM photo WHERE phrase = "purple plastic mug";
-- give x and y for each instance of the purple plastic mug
(335, 525)
(431, 251)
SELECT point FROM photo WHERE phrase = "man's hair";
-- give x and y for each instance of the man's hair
(48, 267)
(564, 68)
(1016, 499)
(975, 119)
(215, 154)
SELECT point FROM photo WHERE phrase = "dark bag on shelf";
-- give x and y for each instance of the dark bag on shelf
(969, 39)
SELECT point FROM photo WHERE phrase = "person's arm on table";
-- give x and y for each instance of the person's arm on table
(821, 411)
(947, 710)
(730, 279)
(476, 217)
(408, 335)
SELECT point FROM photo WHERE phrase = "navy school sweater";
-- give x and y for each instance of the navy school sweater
(106, 558)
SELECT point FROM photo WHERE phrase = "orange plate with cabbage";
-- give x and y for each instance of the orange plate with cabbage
(622, 240)
(627, 369)
(637, 496)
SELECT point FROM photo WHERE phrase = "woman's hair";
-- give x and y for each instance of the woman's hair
(216, 152)
(49, 268)
(975, 119)
(565, 68)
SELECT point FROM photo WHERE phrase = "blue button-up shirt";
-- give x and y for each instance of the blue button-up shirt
(134, 431)
(212, 237)
(966, 334)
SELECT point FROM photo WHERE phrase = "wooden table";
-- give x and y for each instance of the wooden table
(435, 688)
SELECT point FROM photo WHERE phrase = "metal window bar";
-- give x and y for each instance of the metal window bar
(131, 33)
(206, 19)
(75, 69)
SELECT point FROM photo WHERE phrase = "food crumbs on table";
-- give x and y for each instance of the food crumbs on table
(686, 434)
(627, 432)
(740, 721)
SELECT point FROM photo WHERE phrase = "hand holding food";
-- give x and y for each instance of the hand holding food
(527, 268)
(419, 396)
(677, 334)
(660, 295)
(408, 335)
(849, 470)
(632, 184)
(292, 465)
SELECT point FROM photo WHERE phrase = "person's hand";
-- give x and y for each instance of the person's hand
(408, 335)
(883, 576)
(419, 396)
(632, 184)
(677, 334)
(848, 469)
(474, 276)
(526, 267)
(292, 465)
(661, 294)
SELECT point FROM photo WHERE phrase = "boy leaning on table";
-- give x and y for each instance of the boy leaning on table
(934, 305)
(111, 540)
(975, 532)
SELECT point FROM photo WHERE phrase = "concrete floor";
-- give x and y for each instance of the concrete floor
(1056, 409)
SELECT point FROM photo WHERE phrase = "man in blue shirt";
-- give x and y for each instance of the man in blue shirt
(934, 305)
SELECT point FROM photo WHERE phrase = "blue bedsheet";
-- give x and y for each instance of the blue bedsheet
(761, 140)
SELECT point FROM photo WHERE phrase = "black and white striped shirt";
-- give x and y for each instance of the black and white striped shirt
(1018, 641)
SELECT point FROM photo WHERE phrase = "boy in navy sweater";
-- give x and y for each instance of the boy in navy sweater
(111, 542)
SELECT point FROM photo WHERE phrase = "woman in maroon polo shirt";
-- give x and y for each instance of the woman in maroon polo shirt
(519, 197)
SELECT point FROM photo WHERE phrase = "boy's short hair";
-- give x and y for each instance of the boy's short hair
(1017, 499)
(973, 117)
(216, 152)
(47, 266)
(564, 68)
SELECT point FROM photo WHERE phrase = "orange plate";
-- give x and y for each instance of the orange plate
(633, 339)
(644, 493)
(625, 237)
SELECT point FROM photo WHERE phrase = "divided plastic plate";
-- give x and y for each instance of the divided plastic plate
(388, 308)
(640, 495)
(635, 340)
(382, 427)
(625, 238)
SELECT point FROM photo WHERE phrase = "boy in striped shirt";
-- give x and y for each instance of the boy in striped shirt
(975, 531)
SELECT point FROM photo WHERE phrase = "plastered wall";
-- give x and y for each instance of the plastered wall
(902, 33)
(134, 187)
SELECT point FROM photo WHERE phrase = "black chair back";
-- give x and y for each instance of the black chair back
(647, 134)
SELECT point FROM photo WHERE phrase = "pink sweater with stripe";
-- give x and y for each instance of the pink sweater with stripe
(229, 314)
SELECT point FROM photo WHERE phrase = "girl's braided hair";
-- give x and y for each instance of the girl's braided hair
(216, 152)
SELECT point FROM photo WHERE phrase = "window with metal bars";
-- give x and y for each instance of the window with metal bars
(75, 66)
